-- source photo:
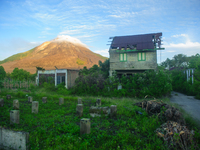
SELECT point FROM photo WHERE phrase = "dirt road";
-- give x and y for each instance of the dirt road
(188, 103)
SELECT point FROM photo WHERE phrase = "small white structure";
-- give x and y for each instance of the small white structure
(68, 76)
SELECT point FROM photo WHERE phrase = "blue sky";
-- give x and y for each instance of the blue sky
(25, 24)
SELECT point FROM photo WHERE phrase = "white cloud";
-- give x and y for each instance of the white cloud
(188, 48)
(188, 44)
(180, 35)
(70, 32)
(61, 38)
(103, 52)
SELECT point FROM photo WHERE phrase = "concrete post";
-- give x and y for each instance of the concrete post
(16, 104)
(113, 110)
(44, 99)
(79, 100)
(98, 102)
(14, 116)
(8, 96)
(85, 125)
(1, 102)
(79, 110)
(35, 106)
(30, 99)
(61, 101)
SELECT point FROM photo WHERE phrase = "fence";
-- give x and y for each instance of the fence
(15, 84)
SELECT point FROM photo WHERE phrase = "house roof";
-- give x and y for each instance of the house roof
(140, 42)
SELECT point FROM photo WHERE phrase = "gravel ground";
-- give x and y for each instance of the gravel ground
(188, 103)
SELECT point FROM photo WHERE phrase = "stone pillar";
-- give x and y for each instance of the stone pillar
(61, 101)
(1, 102)
(79, 110)
(79, 100)
(35, 106)
(14, 116)
(30, 99)
(44, 99)
(8, 96)
(113, 110)
(98, 102)
(85, 125)
(16, 104)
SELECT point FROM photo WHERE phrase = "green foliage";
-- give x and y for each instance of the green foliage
(17, 56)
(2, 75)
(180, 84)
(80, 62)
(20, 74)
(152, 83)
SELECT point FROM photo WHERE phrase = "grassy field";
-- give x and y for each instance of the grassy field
(58, 127)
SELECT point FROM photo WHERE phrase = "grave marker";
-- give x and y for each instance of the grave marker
(85, 125)
(30, 99)
(16, 104)
(98, 102)
(35, 107)
(14, 116)
(44, 99)
(61, 101)
(113, 110)
(8, 97)
(79, 100)
(79, 110)
(1, 102)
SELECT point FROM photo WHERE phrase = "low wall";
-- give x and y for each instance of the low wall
(13, 139)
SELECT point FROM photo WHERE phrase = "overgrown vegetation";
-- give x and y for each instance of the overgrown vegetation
(58, 127)
(179, 77)
(95, 81)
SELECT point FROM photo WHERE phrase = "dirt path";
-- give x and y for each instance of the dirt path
(188, 103)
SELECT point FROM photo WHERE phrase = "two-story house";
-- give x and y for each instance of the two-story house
(134, 53)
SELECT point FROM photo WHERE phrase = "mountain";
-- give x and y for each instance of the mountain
(64, 52)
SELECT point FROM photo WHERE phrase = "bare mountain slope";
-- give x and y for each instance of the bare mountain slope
(62, 52)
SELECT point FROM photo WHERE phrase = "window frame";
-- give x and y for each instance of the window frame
(140, 54)
(123, 57)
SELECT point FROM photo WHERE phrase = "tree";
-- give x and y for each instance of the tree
(20, 74)
(2, 73)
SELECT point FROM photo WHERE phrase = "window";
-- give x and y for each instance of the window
(60, 79)
(142, 56)
(123, 57)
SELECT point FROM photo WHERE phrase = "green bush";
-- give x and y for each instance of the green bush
(180, 84)
(152, 83)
